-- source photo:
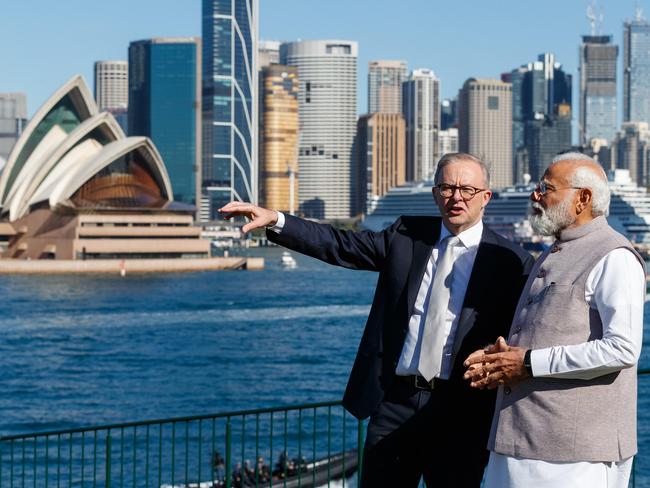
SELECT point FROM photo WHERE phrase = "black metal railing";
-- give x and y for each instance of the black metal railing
(297, 446)
(304, 445)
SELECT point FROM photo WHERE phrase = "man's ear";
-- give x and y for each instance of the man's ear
(585, 197)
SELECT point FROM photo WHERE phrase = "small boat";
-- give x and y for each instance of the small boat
(309, 475)
(288, 260)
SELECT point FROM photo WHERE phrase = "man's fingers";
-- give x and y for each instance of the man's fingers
(475, 357)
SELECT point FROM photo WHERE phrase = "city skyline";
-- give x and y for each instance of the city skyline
(423, 41)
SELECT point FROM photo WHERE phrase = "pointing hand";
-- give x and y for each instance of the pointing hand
(259, 217)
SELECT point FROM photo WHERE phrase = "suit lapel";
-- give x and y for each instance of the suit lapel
(422, 247)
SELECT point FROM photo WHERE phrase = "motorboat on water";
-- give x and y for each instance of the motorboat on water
(310, 475)
(287, 260)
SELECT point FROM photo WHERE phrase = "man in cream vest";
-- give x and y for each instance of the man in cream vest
(566, 407)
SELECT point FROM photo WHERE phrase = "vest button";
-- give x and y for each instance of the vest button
(542, 273)
(556, 249)
(529, 301)
(507, 390)
(517, 330)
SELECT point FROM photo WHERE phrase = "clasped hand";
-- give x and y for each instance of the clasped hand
(497, 364)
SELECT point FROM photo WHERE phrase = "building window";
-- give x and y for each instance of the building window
(493, 103)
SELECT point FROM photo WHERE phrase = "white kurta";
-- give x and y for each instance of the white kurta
(616, 288)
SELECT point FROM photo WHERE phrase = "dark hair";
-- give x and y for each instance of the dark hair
(451, 158)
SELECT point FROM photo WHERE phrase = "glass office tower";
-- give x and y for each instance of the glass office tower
(636, 70)
(164, 105)
(230, 38)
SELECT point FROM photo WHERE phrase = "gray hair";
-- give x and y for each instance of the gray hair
(451, 158)
(585, 177)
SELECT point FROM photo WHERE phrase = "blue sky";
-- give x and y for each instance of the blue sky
(43, 43)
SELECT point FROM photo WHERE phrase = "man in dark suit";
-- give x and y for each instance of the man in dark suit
(446, 287)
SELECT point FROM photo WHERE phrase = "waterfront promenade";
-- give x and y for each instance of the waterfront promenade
(124, 266)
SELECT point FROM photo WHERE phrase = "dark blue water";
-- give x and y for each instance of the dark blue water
(78, 351)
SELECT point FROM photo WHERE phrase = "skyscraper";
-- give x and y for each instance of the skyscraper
(448, 141)
(541, 114)
(381, 157)
(230, 101)
(597, 88)
(631, 151)
(448, 115)
(485, 109)
(636, 70)
(545, 137)
(165, 105)
(13, 118)
(385, 80)
(327, 103)
(279, 138)
(268, 53)
(112, 89)
(421, 109)
(111, 84)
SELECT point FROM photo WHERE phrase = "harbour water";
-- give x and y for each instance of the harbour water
(79, 350)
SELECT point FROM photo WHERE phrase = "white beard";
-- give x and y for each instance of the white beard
(552, 220)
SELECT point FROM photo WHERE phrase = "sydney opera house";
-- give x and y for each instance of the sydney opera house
(75, 187)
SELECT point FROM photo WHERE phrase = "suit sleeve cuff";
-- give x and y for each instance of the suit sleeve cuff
(539, 362)
(277, 227)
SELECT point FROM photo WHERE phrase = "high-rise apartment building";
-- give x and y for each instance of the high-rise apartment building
(421, 109)
(541, 114)
(385, 80)
(631, 150)
(597, 88)
(230, 101)
(485, 115)
(327, 102)
(381, 157)
(112, 89)
(13, 118)
(165, 105)
(279, 138)
(112, 84)
(636, 70)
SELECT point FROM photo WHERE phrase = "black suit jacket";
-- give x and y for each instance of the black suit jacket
(400, 254)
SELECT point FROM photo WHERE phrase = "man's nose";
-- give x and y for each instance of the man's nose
(456, 196)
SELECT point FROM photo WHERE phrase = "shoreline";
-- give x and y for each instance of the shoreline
(128, 266)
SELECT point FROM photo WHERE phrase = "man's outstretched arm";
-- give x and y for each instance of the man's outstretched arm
(356, 250)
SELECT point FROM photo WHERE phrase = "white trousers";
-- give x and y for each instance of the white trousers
(510, 472)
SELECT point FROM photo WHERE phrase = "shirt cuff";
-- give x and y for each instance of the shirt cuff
(539, 362)
(277, 227)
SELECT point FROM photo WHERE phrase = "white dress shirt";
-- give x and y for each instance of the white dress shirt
(616, 288)
(464, 255)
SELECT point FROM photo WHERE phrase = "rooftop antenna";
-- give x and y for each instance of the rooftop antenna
(591, 16)
(638, 12)
(601, 18)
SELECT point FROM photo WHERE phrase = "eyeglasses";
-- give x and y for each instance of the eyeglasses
(466, 192)
(543, 188)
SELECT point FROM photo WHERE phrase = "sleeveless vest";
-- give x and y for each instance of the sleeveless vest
(566, 420)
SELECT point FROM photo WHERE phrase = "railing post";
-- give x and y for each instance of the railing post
(359, 450)
(228, 454)
(109, 446)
